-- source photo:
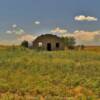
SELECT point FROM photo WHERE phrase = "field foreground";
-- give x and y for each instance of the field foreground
(64, 75)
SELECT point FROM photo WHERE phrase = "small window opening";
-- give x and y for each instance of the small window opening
(40, 44)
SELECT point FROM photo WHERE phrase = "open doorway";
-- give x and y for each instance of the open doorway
(57, 45)
(49, 47)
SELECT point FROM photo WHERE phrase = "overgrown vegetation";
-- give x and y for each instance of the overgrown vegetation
(69, 42)
(24, 44)
(63, 75)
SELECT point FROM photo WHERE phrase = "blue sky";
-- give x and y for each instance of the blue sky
(42, 16)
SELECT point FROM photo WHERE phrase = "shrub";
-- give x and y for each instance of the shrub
(69, 42)
(24, 44)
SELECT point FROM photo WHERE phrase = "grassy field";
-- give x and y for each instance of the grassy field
(64, 75)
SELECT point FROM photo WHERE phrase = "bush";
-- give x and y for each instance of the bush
(69, 42)
(24, 44)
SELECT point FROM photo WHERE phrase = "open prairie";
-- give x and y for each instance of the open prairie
(40, 75)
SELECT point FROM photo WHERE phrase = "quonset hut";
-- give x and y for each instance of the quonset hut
(48, 42)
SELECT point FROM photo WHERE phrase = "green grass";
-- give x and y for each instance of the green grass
(55, 75)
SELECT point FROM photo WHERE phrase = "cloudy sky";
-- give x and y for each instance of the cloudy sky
(25, 19)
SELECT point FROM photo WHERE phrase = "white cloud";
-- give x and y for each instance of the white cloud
(18, 35)
(84, 36)
(15, 30)
(37, 22)
(68, 35)
(21, 30)
(85, 18)
(87, 37)
(59, 30)
(26, 37)
(8, 32)
(14, 26)
(79, 35)
(18, 31)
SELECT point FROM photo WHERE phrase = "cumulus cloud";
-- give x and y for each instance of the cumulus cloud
(84, 35)
(16, 35)
(87, 37)
(37, 22)
(27, 37)
(15, 30)
(68, 35)
(81, 36)
(18, 31)
(14, 26)
(59, 31)
(8, 32)
(85, 18)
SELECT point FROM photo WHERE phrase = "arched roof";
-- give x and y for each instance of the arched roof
(46, 36)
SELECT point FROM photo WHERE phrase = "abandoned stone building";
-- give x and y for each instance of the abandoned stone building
(48, 42)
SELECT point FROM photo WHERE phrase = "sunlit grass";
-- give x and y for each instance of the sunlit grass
(59, 74)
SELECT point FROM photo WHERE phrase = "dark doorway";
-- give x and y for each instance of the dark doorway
(49, 46)
(57, 45)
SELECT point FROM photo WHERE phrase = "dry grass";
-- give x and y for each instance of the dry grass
(30, 75)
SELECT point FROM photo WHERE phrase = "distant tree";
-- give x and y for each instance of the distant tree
(24, 44)
(69, 42)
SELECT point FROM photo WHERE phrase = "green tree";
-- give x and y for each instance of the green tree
(24, 44)
(69, 42)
